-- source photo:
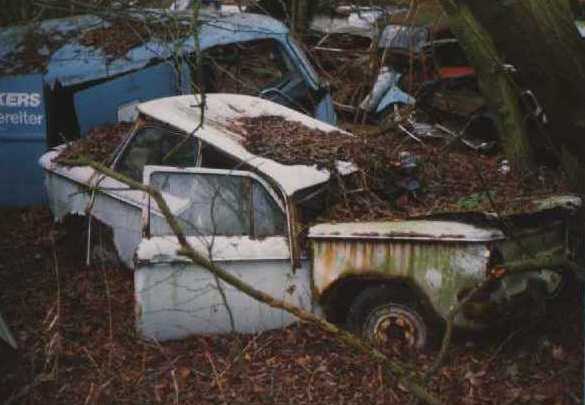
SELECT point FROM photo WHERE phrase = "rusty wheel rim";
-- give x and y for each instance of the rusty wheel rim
(398, 326)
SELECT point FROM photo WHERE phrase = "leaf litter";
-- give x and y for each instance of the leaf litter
(449, 179)
(99, 144)
(86, 317)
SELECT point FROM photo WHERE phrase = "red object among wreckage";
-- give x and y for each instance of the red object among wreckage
(456, 71)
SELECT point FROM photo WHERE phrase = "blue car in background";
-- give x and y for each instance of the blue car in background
(62, 77)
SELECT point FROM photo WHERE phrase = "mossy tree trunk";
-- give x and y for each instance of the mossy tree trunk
(495, 81)
(538, 38)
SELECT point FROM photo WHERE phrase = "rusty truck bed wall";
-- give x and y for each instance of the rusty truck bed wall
(439, 258)
(437, 268)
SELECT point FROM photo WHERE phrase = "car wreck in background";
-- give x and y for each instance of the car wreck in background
(396, 68)
(254, 203)
(60, 78)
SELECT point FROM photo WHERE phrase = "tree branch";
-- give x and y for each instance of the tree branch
(406, 377)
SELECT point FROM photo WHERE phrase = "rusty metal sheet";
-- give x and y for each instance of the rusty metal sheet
(407, 230)
(438, 270)
(434, 259)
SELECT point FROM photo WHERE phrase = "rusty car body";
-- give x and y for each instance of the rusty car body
(243, 210)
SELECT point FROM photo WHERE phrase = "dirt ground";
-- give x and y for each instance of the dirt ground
(77, 344)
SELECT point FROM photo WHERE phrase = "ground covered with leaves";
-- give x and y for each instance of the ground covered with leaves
(75, 328)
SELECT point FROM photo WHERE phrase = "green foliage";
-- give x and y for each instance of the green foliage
(475, 200)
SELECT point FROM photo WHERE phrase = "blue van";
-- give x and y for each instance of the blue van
(60, 78)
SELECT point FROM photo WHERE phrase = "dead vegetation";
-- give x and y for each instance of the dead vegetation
(75, 329)
(114, 37)
(450, 178)
(34, 53)
(445, 176)
(121, 35)
(344, 67)
(99, 143)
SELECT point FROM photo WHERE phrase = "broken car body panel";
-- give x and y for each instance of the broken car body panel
(386, 93)
(441, 261)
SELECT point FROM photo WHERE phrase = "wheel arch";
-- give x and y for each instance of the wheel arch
(337, 299)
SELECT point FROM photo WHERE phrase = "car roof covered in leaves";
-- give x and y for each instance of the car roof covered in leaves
(221, 112)
(84, 48)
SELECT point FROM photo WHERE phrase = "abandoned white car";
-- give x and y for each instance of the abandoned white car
(247, 213)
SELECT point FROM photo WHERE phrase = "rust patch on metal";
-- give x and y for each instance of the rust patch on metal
(401, 235)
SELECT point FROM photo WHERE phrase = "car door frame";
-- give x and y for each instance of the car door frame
(281, 203)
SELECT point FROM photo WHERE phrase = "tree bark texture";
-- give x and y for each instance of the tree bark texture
(539, 38)
(495, 82)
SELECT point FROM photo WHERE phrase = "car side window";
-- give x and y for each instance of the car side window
(215, 159)
(269, 220)
(217, 204)
(204, 204)
(156, 146)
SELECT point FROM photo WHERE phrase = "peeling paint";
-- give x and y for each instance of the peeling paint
(441, 264)
(175, 300)
(434, 278)
(407, 230)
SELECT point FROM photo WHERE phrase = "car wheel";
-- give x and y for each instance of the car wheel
(386, 316)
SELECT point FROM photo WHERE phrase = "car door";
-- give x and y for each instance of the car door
(236, 220)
